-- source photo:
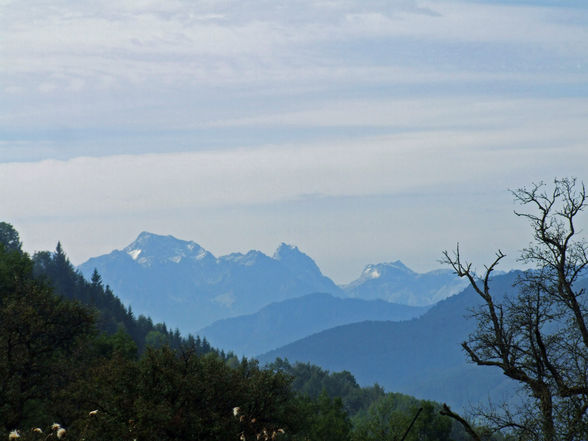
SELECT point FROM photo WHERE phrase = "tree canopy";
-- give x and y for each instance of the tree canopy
(9, 237)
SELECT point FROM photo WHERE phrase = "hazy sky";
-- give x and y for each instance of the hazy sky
(362, 131)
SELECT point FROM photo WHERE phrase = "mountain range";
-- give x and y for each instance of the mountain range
(181, 283)
(395, 282)
(186, 286)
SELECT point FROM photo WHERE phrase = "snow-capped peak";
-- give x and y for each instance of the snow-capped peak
(148, 248)
(371, 272)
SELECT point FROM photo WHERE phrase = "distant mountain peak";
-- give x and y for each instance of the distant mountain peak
(248, 259)
(148, 246)
(397, 264)
(292, 257)
(146, 236)
(375, 271)
(395, 282)
(285, 250)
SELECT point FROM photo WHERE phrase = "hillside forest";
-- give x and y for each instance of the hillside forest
(76, 363)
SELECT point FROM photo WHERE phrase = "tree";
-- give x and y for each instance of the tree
(538, 336)
(96, 279)
(325, 419)
(9, 237)
(390, 418)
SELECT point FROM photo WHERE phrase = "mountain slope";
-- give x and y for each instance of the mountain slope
(181, 283)
(284, 322)
(420, 357)
(395, 282)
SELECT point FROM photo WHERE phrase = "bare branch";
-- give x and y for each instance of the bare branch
(539, 337)
(446, 411)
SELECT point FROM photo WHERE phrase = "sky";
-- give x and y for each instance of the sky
(362, 131)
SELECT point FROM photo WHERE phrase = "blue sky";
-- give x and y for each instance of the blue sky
(361, 131)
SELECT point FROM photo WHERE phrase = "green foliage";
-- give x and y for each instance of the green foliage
(325, 419)
(82, 359)
(155, 339)
(9, 237)
(311, 381)
(118, 343)
(173, 399)
(41, 336)
(389, 418)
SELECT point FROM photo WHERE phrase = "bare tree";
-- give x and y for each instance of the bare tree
(538, 336)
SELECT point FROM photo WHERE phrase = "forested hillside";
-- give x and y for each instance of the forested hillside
(76, 365)
(111, 315)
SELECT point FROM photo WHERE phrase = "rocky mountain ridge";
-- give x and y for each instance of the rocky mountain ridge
(186, 286)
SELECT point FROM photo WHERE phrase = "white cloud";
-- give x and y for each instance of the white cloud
(370, 166)
(86, 64)
(152, 39)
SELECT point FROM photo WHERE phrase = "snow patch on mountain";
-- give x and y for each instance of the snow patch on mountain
(371, 272)
(202, 254)
(134, 254)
